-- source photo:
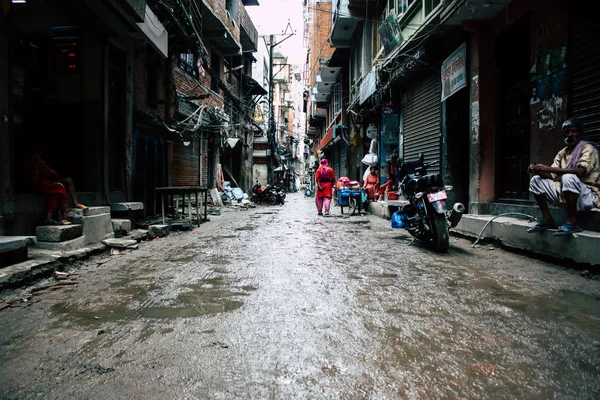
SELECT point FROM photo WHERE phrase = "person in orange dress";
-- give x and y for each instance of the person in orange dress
(43, 179)
(386, 187)
(325, 177)
(371, 185)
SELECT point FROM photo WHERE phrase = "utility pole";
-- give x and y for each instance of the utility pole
(271, 130)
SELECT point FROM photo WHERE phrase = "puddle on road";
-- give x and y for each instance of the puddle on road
(579, 308)
(183, 257)
(385, 276)
(205, 297)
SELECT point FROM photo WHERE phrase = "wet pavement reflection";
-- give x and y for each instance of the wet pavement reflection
(276, 302)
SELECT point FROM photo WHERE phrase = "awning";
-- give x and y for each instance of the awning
(155, 32)
(232, 142)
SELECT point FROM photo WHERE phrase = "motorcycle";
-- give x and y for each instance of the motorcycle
(270, 195)
(426, 216)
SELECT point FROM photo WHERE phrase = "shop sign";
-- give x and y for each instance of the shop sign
(368, 85)
(390, 34)
(454, 72)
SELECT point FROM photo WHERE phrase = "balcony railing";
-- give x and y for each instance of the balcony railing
(248, 32)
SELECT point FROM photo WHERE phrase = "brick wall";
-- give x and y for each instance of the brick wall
(218, 8)
(320, 47)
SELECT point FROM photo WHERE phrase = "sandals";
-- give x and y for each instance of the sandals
(567, 230)
(55, 222)
(541, 226)
(81, 207)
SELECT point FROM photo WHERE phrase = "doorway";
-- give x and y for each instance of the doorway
(512, 113)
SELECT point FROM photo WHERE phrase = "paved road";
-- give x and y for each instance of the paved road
(278, 303)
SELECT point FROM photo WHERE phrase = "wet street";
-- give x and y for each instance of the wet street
(278, 303)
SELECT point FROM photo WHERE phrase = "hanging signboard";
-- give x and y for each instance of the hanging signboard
(368, 86)
(390, 34)
(454, 72)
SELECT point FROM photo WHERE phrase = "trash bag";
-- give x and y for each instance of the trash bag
(238, 193)
(399, 219)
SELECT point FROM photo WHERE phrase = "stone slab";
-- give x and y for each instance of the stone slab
(119, 242)
(11, 243)
(66, 245)
(96, 210)
(137, 234)
(23, 270)
(216, 199)
(130, 206)
(512, 232)
(159, 230)
(60, 233)
(121, 225)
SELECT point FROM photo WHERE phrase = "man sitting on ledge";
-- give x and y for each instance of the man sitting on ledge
(572, 179)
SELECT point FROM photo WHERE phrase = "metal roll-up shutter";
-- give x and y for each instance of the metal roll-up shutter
(585, 74)
(186, 164)
(421, 129)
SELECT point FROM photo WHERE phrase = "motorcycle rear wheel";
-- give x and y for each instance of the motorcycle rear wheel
(439, 232)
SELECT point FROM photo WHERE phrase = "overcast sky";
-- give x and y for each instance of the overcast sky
(271, 17)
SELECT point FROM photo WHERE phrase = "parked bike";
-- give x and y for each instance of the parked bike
(270, 195)
(426, 216)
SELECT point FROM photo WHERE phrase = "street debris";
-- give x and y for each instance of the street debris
(60, 275)
(96, 369)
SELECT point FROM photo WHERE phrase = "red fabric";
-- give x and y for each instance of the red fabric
(325, 189)
(385, 187)
(56, 194)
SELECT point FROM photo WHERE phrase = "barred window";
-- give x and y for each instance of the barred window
(187, 63)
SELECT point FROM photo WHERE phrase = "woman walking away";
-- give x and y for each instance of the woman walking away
(324, 178)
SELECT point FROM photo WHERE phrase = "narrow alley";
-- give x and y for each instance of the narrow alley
(276, 302)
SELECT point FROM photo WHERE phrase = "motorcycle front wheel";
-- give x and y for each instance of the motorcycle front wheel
(439, 232)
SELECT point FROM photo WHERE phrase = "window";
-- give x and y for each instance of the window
(187, 63)
(403, 5)
(337, 98)
(430, 5)
(391, 6)
(232, 9)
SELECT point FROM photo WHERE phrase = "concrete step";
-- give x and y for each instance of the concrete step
(96, 210)
(10, 243)
(97, 227)
(66, 245)
(127, 206)
(121, 225)
(59, 233)
(512, 232)
(13, 249)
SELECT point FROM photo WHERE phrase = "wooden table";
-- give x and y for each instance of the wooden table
(182, 191)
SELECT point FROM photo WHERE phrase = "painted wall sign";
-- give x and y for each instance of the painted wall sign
(454, 72)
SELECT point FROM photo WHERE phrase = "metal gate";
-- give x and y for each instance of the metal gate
(186, 164)
(585, 74)
(421, 131)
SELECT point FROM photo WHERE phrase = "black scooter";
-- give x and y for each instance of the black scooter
(426, 216)
(270, 195)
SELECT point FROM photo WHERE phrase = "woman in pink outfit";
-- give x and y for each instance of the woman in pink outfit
(325, 177)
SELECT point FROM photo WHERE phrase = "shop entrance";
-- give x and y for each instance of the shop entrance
(512, 113)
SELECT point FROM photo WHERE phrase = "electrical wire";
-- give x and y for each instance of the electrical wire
(530, 217)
